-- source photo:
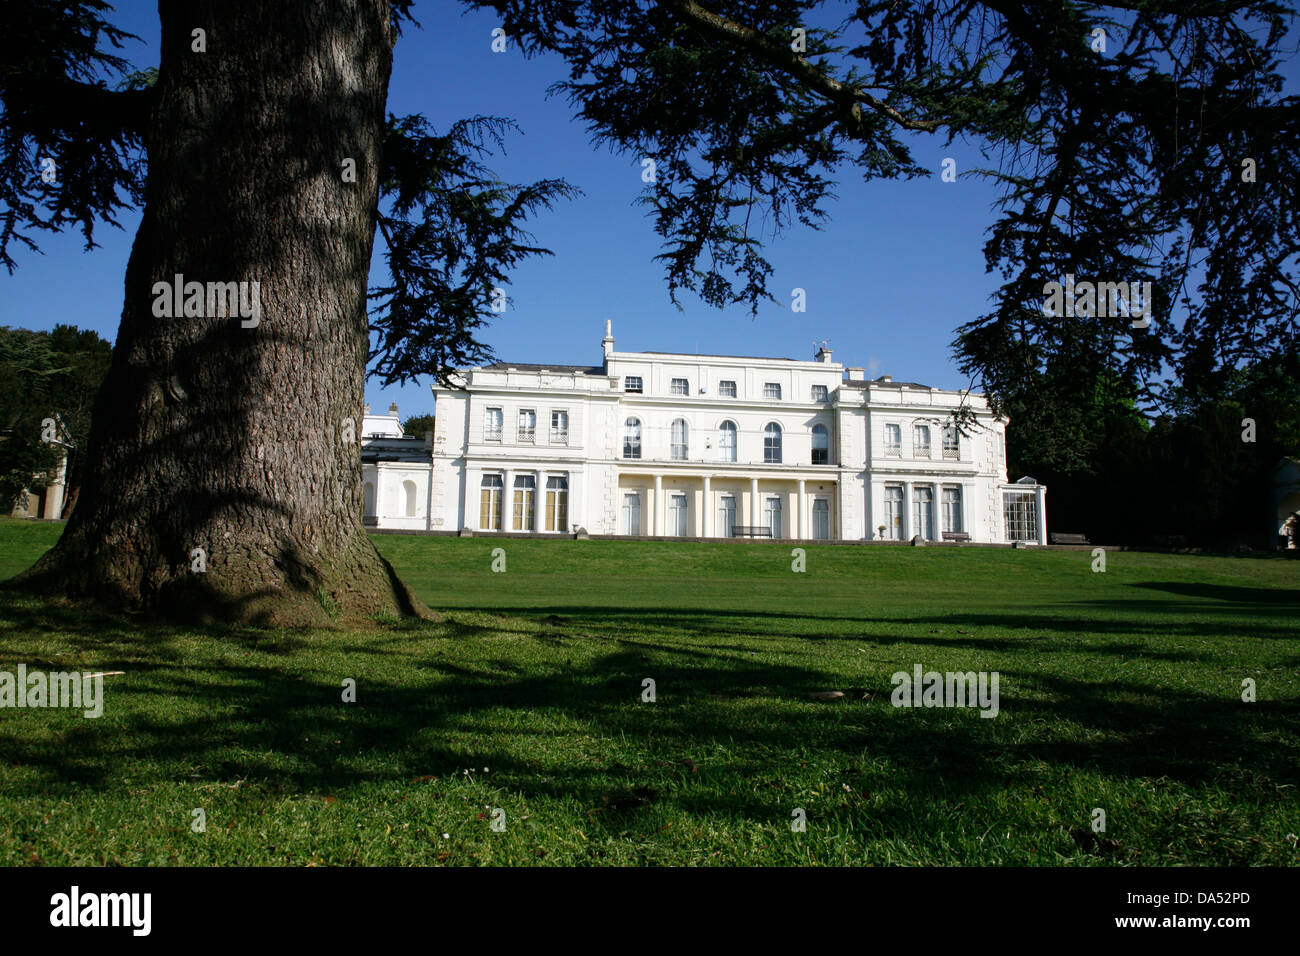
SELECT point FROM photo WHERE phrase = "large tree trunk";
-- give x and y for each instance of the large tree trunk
(243, 441)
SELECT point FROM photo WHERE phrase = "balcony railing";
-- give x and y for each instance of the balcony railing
(559, 436)
(492, 434)
(527, 435)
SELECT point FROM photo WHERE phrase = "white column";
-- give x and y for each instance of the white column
(508, 501)
(658, 527)
(1040, 494)
(800, 503)
(907, 511)
(379, 484)
(936, 516)
(708, 508)
(753, 502)
(537, 501)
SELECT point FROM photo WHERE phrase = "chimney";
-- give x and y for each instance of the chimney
(823, 354)
(365, 409)
(392, 409)
(885, 378)
(857, 374)
(607, 343)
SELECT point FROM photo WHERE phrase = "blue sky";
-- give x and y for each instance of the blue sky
(888, 279)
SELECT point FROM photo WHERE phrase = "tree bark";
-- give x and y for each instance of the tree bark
(210, 432)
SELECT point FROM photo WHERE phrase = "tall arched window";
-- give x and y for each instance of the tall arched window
(680, 439)
(409, 492)
(821, 445)
(727, 441)
(368, 499)
(772, 443)
(632, 438)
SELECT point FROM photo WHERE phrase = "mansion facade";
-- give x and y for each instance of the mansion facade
(665, 444)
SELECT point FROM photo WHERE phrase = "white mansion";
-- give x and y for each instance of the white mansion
(667, 444)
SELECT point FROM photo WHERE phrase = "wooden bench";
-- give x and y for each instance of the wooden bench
(956, 536)
(1061, 537)
(751, 531)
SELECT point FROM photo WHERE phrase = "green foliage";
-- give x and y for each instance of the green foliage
(453, 230)
(45, 376)
(417, 425)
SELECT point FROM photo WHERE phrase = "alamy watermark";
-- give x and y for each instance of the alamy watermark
(953, 689)
(196, 300)
(72, 689)
(1130, 300)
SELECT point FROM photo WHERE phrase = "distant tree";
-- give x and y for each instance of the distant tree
(46, 377)
(28, 370)
(417, 425)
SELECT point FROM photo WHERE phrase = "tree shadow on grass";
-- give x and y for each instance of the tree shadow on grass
(284, 728)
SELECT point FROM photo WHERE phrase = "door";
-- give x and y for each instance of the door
(677, 515)
(821, 518)
(894, 513)
(923, 513)
(772, 516)
(632, 514)
(727, 515)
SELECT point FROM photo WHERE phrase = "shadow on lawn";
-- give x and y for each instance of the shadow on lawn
(726, 717)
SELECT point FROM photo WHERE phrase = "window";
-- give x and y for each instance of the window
(951, 442)
(632, 438)
(559, 427)
(631, 514)
(489, 503)
(772, 516)
(525, 503)
(772, 443)
(821, 519)
(492, 424)
(409, 493)
(771, 389)
(923, 513)
(952, 508)
(1020, 514)
(726, 389)
(727, 441)
(557, 503)
(921, 441)
(821, 445)
(820, 394)
(679, 386)
(894, 512)
(727, 515)
(893, 440)
(677, 515)
(527, 425)
(680, 433)
(632, 383)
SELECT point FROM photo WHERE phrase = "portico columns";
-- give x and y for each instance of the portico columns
(658, 527)
(753, 502)
(707, 505)
(799, 519)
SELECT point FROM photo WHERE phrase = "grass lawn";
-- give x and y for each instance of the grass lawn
(1120, 691)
